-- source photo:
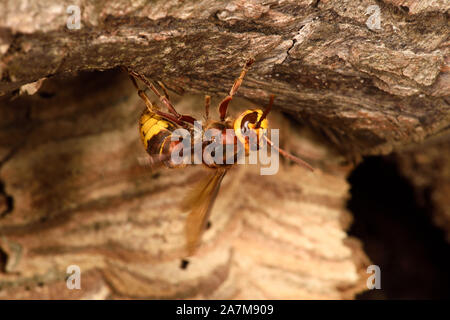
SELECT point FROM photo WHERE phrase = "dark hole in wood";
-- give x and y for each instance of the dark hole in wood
(405, 8)
(46, 94)
(398, 234)
(184, 264)
(8, 202)
(156, 175)
(3, 260)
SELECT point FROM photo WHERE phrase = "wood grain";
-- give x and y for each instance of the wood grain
(81, 198)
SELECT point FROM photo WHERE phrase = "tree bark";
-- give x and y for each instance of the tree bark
(369, 90)
(81, 198)
(72, 191)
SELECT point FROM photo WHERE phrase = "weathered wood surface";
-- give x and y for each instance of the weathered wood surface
(71, 189)
(80, 198)
(370, 91)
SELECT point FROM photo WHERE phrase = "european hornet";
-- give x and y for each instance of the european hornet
(156, 129)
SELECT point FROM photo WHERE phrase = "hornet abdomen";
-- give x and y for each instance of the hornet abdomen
(156, 132)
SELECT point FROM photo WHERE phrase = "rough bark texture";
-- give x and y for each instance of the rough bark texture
(81, 198)
(369, 90)
(71, 189)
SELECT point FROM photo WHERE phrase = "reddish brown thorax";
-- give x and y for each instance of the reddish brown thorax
(228, 138)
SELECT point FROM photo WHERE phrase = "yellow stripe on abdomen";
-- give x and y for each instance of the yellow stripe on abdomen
(151, 125)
